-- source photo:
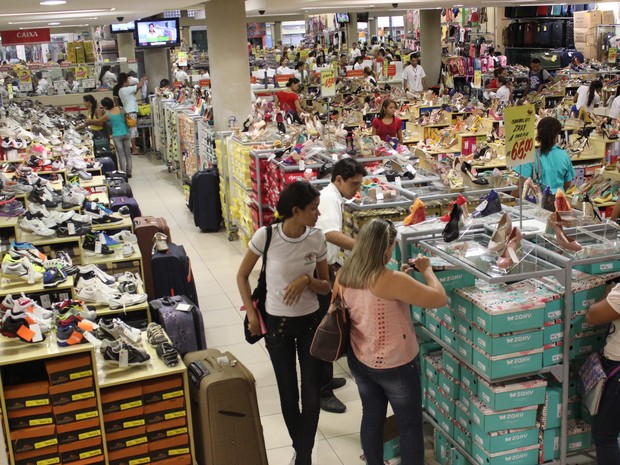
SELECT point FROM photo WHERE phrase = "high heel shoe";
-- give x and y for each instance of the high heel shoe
(160, 242)
(595, 213)
(417, 215)
(510, 255)
(554, 228)
(466, 168)
(500, 235)
(489, 204)
(451, 231)
(456, 181)
(461, 202)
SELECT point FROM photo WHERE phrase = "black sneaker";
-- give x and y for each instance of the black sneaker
(107, 219)
(111, 353)
(168, 354)
(333, 405)
(78, 229)
(90, 244)
(11, 325)
(42, 196)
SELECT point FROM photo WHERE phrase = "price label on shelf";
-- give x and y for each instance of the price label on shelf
(520, 130)
(328, 83)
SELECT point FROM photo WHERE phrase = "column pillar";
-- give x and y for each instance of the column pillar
(156, 65)
(277, 32)
(430, 44)
(126, 45)
(228, 60)
(352, 29)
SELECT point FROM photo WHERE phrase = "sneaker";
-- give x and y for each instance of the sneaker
(69, 335)
(93, 246)
(111, 351)
(76, 308)
(128, 250)
(18, 250)
(12, 327)
(126, 300)
(62, 265)
(107, 240)
(114, 329)
(90, 271)
(12, 209)
(72, 199)
(20, 270)
(53, 277)
(95, 282)
(129, 283)
(125, 236)
(155, 334)
(73, 228)
(36, 226)
(96, 209)
(27, 305)
(43, 196)
(168, 354)
(124, 211)
(106, 220)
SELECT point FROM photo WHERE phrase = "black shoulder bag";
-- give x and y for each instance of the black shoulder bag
(259, 295)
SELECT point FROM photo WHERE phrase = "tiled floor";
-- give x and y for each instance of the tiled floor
(215, 261)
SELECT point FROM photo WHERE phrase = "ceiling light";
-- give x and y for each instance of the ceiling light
(53, 24)
(53, 2)
(35, 13)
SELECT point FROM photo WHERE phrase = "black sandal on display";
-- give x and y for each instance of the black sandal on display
(451, 231)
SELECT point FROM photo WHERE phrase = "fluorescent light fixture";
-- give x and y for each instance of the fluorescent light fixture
(59, 12)
(42, 21)
(53, 24)
(53, 2)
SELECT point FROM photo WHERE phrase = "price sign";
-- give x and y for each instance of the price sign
(477, 79)
(611, 55)
(88, 83)
(182, 58)
(520, 129)
(328, 83)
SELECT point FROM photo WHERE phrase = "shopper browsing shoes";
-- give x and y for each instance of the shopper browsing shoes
(295, 253)
(383, 347)
(387, 125)
(127, 93)
(120, 133)
(346, 181)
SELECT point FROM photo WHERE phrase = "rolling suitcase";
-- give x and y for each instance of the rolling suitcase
(184, 327)
(119, 188)
(529, 34)
(204, 200)
(543, 33)
(225, 411)
(519, 35)
(172, 273)
(558, 38)
(134, 209)
(107, 164)
(145, 227)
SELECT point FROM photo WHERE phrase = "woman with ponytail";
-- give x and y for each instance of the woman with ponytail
(294, 254)
(587, 97)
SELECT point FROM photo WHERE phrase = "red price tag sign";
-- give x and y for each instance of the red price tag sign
(520, 130)
(328, 83)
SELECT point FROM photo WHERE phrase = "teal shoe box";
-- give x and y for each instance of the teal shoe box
(456, 458)
(579, 437)
(441, 446)
(449, 385)
(469, 380)
(432, 323)
(445, 422)
(465, 398)
(431, 408)
(586, 345)
(461, 306)
(446, 316)
(583, 299)
(489, 420)
(600, 268)
(450, 279)
(432, 391)
(418, 314)
(428, 347)
(432, 363)
(451, 364)
(462, 438)
(465, 349)
(513, 394)
(464, 327)
(503, 441)
(553, 333)
(551, 416)
(524, 456)
(503, 321)
(553, 299)
(446, 403)
(508, 343)
(508, 365)
(461, 415)
(448, 337)
(553, 354)
(580, 325)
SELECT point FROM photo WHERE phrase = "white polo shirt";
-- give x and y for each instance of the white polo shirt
(331, 217)
(355, 52)
(414, 77)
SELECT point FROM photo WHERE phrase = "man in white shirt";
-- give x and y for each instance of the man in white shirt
(181, 75)
(414, 77)
(355, 52)
(346, 181)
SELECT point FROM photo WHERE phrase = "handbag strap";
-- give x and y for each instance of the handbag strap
(267, 243)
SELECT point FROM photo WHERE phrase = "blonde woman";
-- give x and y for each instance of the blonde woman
(383, 351)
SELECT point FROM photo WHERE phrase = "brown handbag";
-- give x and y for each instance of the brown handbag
(331, 339)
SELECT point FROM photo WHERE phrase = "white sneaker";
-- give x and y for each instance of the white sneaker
(37, 227)
(97, 283)
(26, 304)
(102, 275)
(125, 236)
(128, 249)
(72, 199)
(20, 269)
(94, 295)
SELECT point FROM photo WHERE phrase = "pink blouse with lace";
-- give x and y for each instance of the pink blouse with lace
(382, 334)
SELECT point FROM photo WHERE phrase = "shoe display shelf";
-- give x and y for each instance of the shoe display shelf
(188, 144)
(159, 123)
(82, 408)
(172, 156)
(8, 228)
(466, 390)
(208, 141)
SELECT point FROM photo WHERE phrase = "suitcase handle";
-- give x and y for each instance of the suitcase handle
(197, 370)
(231, 414)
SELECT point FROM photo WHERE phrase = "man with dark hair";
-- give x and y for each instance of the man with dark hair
(346, 181)
(537, 77)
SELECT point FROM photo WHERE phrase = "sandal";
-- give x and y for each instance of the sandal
(168, 354)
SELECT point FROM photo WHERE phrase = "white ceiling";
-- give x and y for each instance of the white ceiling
(29, 13)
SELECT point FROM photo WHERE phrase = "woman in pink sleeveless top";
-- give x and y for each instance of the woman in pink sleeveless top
(383, 350)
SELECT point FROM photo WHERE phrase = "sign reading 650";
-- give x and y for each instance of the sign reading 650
(521, 149)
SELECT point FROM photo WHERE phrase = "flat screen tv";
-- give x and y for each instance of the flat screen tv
(362, 17)
(342, 17)
(118, 28)
(157, 33)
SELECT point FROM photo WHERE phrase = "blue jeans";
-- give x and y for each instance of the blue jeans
(401, 388)
(286, 340)
(606, 425)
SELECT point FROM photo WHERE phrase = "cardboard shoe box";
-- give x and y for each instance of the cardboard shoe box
(73, 391)
(81, 450)
(587, 19)
(130, 455)
(165, 410)
(34, 416)
(126, 438)
(585, 35)
(166, 388)
(170, 447)
(45, 455)
(166, 429)
(124, 419)
(70, 368)
(27, 395)
(120, 398)
(79, 430)
(29, 439)
(76, 411)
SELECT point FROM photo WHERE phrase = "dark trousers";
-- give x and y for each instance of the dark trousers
(606, 425)
(286, 340)
(401, 388)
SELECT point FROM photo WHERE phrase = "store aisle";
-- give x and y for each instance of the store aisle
(215, 261)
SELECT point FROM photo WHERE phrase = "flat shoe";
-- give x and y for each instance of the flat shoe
(337, 383)
(332, 405)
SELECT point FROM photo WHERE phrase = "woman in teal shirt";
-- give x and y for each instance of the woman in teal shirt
(552, 166)
(120, 133)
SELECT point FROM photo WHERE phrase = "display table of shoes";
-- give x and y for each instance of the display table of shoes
(96, 181)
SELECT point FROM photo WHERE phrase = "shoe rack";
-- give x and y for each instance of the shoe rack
(467, 372)
(79, 410)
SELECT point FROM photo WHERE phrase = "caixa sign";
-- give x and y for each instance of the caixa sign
(26, 36)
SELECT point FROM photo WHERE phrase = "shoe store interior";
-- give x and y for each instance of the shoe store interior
(230, 231)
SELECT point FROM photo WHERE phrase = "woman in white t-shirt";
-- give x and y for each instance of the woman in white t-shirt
(606, 425)
(587, 96)
(503, 93)
(295, 253)
(614, 108)
(358, 63)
